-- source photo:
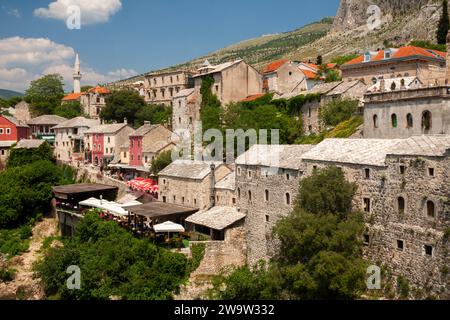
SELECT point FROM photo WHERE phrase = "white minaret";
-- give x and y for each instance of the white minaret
(77, 76)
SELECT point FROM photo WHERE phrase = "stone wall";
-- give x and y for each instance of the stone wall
(93, 176)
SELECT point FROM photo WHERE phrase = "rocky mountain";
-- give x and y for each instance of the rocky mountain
(351, 31)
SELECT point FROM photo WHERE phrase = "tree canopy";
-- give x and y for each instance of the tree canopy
(113, 263)
(45, 94)
(122, 104)
(161, 162)
(444, 24)
(320, 255)
(69, 110)
(338, 111)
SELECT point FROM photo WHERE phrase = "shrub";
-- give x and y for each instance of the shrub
(338, 111)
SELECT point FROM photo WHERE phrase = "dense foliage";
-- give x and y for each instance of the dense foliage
(444, 24)
(337, 111)
(45, 94)
(69, 110)
(328, 74)
(26, 185)
(428, 45)
(340, 60)
(113, 264)
(210, 108)
(320, 255)
(161, 161)
(128, 104)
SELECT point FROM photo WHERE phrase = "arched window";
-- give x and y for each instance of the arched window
(374, 80)
(288, 199)
(431, 209)
(401, 204)
(426, 121)
(375, 121)
(239, 193)
(402, 82)
(393, 86)
(409, 120)
(266, 195)
(394, 120)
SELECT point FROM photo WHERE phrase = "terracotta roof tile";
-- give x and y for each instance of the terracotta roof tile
(99, 90)
(253, 97)
(274, 66)
(72, 97)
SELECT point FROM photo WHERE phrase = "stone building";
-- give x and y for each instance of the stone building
(69, 139)
(328, 92)
(402, 192)
(161, 87)
(225, 191)
(93, 101)
(267, 180)
(285, 77)
(11, 132)
(373, 66)
(41, 127)
(403, 113)
(191, 183)
(102, 143)
(185, 110)
(233, 81)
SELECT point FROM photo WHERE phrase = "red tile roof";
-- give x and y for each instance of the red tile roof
(402, 52)
(99, 90)
(72, 97)
(309, 74)
(274, 66)
(313, 66)
(253, 97)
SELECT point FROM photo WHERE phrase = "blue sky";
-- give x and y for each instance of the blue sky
(139, 35)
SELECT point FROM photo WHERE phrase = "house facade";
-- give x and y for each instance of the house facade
(161, 87)
(11, 132)
(103, 142)
(42, 127)
(429, 66)
(69, 139)
(93, 101)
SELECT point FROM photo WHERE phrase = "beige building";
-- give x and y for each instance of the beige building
(233, 81)
(21, 111)
(185, 110)
(103, 142)
(427, 65)
(288, 77)
(161, 87)
(93, 101)
(191, 183)
(69, 139)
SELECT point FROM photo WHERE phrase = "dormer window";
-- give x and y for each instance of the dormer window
(387, 54)
(367, 57)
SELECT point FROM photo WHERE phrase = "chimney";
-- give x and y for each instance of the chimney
(125, 120)
(213, 184)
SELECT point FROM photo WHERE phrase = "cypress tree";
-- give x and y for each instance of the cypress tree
(444, 24)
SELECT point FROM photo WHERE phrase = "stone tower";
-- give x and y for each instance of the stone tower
(77, 76)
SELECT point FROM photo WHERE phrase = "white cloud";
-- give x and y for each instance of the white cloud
(14, 13)
(25, 59)
(92, 11)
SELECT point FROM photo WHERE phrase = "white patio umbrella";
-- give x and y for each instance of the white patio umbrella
(168, 227)
(109, 206)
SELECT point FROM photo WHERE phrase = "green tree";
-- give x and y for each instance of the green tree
(21, 157)
(113, 263)
(86, 88)
(156, 114)
(444, 24)
(161, 162)
(428, 45)
(69, 110)
(319, 60)
(45, 94)
(123, 104)
(328, 74)
(340, 60)
(338, 111)
(210, 109)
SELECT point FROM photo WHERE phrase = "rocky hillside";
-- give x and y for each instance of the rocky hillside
(401, 22)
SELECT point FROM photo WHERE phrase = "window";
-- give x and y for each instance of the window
(217, 88)
(394, 120)
(190, 120)
(239, 171)
(249, 174)
(179, 103)
(182, 200)
(426, 121)
(400, 245)
(267, 218)
(125, 154)
(233, 201)
(239, 193)
(1, 131)
(375, 121)
(366, 173)
(387, 54)
(288, 176)
(428, 250)
(195, 201)
(164, 181)
(290, 73)
(139, 158)
(374, 80)
(367, 57)
(164, 199)
(174, 199)
(266, 197)
(409, 121)
(109, 140)
(132, 157)
(3, 152)
(288, 199)
(366, 205)
(431, 209)
(401, 205)
(179, 120)
(402, 169)
(309, 113)
(8, 130)
(146, 159)
(249, 195)
(431, 172)
(366, 239)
